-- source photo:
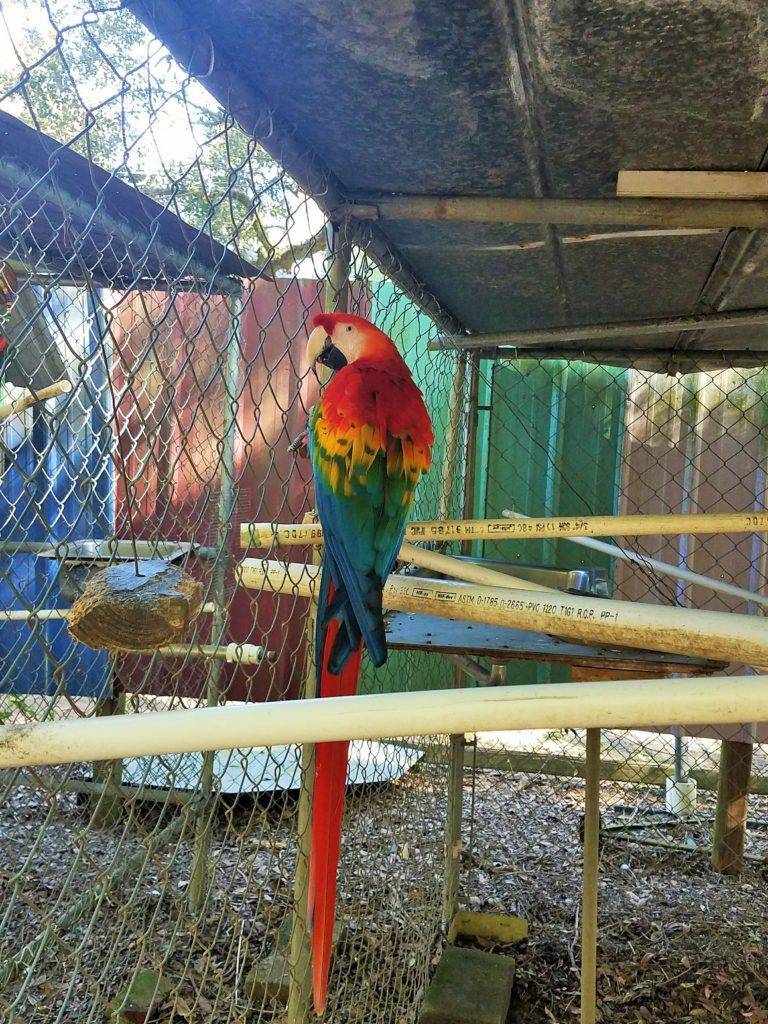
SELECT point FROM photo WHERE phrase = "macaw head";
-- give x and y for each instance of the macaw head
(338, 339)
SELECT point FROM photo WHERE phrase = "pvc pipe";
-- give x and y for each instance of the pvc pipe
(470, 572)
(665, 568)
(44, 614)
(62, 387)
(721, 636)
(233, 654)
(613, 705)
(265, 535)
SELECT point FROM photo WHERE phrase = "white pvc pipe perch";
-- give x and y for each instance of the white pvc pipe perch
(665, 568)
(720, 636)
(613, 705)
(266, 535)
(46, 614)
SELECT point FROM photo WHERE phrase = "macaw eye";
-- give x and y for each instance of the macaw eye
(349, 327)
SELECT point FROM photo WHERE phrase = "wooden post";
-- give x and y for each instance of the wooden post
(453, 823)
(300, 955)
(106, 805)
(451, 453)
(299, 1010)
(199, 872)
(471, 455)
(731, 812)
(590, 855)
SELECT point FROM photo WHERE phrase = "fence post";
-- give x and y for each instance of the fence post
(300, 956)
(590, 858)
(199, 872)
(731, 811)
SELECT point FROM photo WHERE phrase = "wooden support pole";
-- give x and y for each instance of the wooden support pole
(522, 339)
(590, 874)
(266, 535)
(201, 858)
(720, 636)
(106, 806)
(731, 812)
(299, 1008)
(451, 453)
(662, 213)
(8, 409)
(453, 822)
(470, 467)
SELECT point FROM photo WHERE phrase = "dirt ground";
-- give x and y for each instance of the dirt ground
(677, 941)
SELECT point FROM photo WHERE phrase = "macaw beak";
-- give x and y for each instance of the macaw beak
(320, 349)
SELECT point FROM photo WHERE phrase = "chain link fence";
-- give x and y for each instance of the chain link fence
(166, 268)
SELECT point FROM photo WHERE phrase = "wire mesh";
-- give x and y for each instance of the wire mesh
(160, 261)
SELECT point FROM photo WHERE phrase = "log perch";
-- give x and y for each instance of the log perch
(122, 611)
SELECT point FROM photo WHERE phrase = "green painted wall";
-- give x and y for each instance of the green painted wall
(554, 448)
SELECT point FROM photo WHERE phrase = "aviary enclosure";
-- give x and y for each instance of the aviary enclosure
(182, 187)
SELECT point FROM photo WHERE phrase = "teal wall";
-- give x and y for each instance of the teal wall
(551, 445)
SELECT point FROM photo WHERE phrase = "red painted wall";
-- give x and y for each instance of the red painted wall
(171, 402)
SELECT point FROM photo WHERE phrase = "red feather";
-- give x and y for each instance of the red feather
(327, 814)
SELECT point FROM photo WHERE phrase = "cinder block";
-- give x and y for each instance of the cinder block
(469, 987)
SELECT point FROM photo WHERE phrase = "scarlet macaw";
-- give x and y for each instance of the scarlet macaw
(369, 438)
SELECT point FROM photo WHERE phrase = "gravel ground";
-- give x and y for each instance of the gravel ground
(677, 941)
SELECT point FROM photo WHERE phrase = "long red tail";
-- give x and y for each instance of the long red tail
(327, 814)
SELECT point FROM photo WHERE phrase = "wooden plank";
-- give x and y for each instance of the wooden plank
(693, 184)
(731, 812)
(562, 766)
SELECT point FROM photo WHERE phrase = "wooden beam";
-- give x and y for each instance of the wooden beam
(693, 184)
(562, 766)
(663, 213)
(731, 812)
(8, 409)
(594, 332)
(267, 535)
